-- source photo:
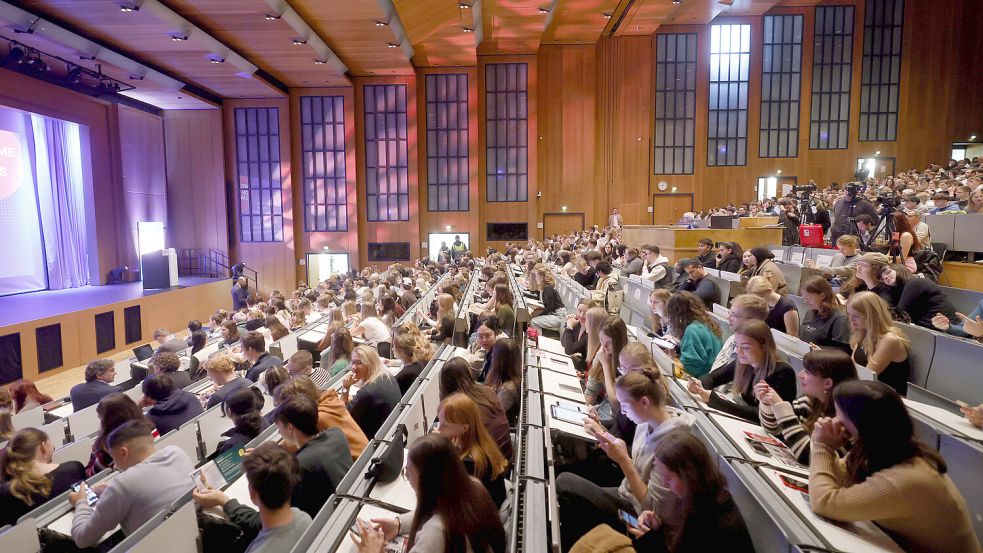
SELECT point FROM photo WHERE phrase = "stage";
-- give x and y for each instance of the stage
(43, 333)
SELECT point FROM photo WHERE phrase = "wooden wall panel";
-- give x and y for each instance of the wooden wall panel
(321, 242)
(399, 231)
(509, 212)
(141, 138)
(567, 132)
(196, 208)
(458, 221)
(274, 261)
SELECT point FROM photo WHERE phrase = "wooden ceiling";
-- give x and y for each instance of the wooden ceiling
(269, 46)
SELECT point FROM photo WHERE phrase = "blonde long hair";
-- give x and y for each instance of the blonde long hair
(475, 442)
(593, 320)
(372, 361)
(17, 466)
(877, 322)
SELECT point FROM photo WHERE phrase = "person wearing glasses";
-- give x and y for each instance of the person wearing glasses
(378, 393)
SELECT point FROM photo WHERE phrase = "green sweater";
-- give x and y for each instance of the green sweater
(698, 349)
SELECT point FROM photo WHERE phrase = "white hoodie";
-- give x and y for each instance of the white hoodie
(658, 498)
(655, 271)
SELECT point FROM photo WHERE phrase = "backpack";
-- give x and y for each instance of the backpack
(613, 298)
(929, 264)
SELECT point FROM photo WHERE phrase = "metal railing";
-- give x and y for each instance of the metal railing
(209, 263)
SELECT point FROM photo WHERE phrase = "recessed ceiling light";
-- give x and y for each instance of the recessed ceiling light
(381, 23)
(128, 7)
(179, 38)
(320, 62)
(464, 6)
(973, 137)
(271, 17)
(216, 60)
(606, 15)
(299, 42)
(467, 29)
(392, 45)
(544, 10)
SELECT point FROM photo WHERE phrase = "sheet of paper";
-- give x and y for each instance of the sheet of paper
(743, 434)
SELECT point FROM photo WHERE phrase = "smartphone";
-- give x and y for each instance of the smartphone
(90, 496)
(758, 447)
(795, 484)
(628, 518)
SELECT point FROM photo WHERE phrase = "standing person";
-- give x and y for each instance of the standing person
(888, 477)
(852, 204)
(789, 218)
(457, 249)
(453, 513)
(238, 270)
(99, 377)
(615, 220)
(240, 293)
(818, 214)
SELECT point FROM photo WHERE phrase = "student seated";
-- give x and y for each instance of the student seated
(792, 422)
(958, 325)
(302, 364)
(149, 483)
(169, 406)
(221, 371)
(242, 407)
(758, 261)
(505, 376)
(489, 330)
(888, 477)
(553, 313)
(459, 419)
(453, 510)
(783, 316)
(442, 326)
(708, 519)
(166, 342)
(254, 350)
(697, 282)
(743, 308)
(99, 377)
(456, 377)
(6, 415)
(29, 477)
(612, 336)
(414, 352)
(26, 395)
(331, 411)
(323, 457)
(378, 392)
(273, 473)
(877, 344)
(113, 410)
(844, 262)
(169, 364)
(697, 333)
(583, 504)
(337, 357)
(757, 361)
(825, 324)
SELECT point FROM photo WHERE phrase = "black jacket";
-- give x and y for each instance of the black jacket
(731, 264)
(408, 375)
(264, 362)
(782, 380)
(174, 411)
(373, 404)
(88, 394)
(324, 461)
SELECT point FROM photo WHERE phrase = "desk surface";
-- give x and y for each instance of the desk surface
(561, 385)
(398, 493)
(366, 514)
(779, 456)
(558, 363)
(949, 420)
(551, 345)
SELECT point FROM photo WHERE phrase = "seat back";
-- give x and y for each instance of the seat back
(32, 418)
(22, 538)
(923, 347)
(83, 423)
(955, 371)
(78, 450)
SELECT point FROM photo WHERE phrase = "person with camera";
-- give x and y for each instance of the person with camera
(848, 208)
(789, 218)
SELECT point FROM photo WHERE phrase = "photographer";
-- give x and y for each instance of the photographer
(851, 205)
(818, 214)
(789, 218)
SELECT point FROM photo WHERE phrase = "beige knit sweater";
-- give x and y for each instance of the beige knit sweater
(920, 508)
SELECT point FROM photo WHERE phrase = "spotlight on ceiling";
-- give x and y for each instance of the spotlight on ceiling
(271, 17)
(320, 62)
(392, 45)
(544, 11)
(128, 7)
(179, 38)
(464, 6)
(74, 74)
(15, 55)
(467, 29)
(381, 24)
(299, 42)
(606, 15)
(216, 59)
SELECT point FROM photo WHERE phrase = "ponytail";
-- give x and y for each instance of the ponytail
(17, 466)
(644, 383)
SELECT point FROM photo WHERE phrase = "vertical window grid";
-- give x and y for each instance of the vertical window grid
(258, 174)
(387, 192)
(506, 128)
(447, 142)
(730, 60)
(832, 67)
(322, 121)
(781, 86)
(675, 103)
(880, 84)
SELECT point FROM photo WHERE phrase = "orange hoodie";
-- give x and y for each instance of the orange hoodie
(332, 413)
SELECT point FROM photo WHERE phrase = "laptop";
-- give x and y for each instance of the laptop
(143, 352)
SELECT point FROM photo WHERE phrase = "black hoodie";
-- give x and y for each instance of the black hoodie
(177, 409)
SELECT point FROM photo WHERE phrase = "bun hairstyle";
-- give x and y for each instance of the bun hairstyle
(644, 383)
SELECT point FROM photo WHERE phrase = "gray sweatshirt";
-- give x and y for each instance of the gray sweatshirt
(647, 438)
(135, 496)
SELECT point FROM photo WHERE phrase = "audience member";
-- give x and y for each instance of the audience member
(697, 333)
(783, 315)
(697, 282)
(29, 476)
(743, 308)
(273, 474)
(457, 377)
(339, 355)
(378, 393)
(655, 267)
(302, 364)
(826, 323)
(149, 482)
(460, 420)
(113, 411)
(551, 316)
(728, 257)
(876, 342)
(221, 371)
(170, 407)
(658, 299)
(26, 395)
(758, 261)
(169, 365)
(99, 376)
(243, 408)
(505, 376)
(793, 421)
(6, 415)
(331, 411)
(414, 353)
(167, 342)
(254, 351)
(888, 477)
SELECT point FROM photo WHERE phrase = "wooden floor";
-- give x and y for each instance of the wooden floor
(58, 385)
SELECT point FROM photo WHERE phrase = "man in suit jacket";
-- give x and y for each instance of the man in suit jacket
(99, 375)
(166, 343)
(240, 293)
(254, 350)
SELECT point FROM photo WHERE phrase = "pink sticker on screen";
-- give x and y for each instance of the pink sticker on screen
(10, 163)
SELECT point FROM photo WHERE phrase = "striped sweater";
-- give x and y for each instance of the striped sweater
(784, 421)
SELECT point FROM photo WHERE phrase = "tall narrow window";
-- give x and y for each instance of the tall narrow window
(387, 190)
(447, 142)
(258, 170)
(675, 103)
(506, 123)
(832, 66)
(880, 80)
(730, 61)
(322, 122)
(781, 80)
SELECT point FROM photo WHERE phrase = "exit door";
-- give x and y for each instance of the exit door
(667, 209)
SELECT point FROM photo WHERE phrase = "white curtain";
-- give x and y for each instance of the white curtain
(61, 196)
